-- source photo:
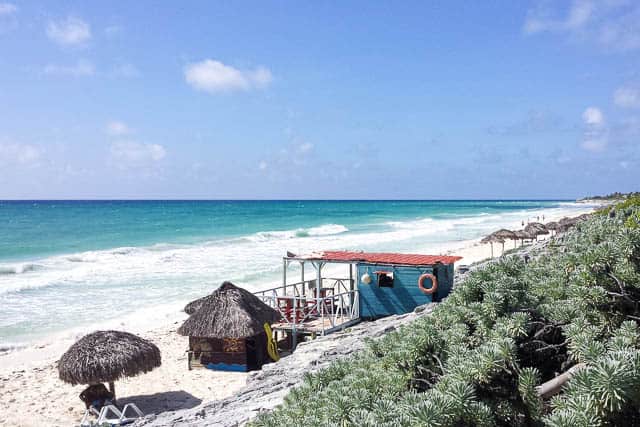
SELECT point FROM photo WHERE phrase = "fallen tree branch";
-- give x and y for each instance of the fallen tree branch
(554, 386)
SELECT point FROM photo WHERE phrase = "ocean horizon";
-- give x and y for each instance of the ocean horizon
(65, 262)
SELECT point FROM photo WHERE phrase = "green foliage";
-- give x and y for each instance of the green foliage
(625, 208)
(478, 358)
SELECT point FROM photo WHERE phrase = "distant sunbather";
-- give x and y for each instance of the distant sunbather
(96, 395)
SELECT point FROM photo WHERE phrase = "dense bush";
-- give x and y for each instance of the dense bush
(477, 359)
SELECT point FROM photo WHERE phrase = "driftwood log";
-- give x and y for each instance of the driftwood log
(553, 386)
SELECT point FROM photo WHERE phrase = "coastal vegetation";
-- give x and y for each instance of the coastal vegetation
(616, 196)
(505, 330)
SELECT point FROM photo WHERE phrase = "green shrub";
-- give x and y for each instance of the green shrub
(477, 359)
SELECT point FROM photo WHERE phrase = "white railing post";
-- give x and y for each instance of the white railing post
(284, 274)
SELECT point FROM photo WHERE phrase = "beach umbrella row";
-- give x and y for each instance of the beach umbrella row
(532, 231)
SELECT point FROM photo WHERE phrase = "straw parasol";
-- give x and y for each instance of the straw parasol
(107, 356)
(229, 312)
(492, 238)
(566, 223)
(536, 229)
(553, 226)
(521, 234)
(505, 234)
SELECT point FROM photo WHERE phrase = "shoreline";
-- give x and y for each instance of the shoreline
(29, 375)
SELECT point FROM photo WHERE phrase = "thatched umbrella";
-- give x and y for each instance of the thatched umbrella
(536, 229)
(521, 234)
(553, 226)
(229, 312)
(566, 223)
(505, 234)
(107, 356)
(492, 238)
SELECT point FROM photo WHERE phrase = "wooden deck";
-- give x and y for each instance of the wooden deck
(316, 326)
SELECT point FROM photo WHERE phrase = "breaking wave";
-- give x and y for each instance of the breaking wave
(322, 230)
(19, 268)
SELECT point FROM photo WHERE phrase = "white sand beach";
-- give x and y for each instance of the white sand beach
(32, 395)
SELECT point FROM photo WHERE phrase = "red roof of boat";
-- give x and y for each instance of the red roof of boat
(384, 258)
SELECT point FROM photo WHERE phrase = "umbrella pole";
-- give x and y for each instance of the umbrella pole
(112, 389)
(491, 249)
(502, 248)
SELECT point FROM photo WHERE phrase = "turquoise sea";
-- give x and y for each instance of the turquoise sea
(75, 264)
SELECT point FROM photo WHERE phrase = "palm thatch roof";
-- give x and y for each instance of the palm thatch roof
(552, 225)
(106, 356)
(521, 234)
(566, 223)
(567, 220)
(503, 233)
(536, 228)
(229, 312)
(492, 238)
(195, 305)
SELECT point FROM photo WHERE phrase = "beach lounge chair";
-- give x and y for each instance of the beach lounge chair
(128, 409)
(111, 415)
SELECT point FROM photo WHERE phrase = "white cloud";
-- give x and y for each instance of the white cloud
(592, 116)
(81, 69)
(613, 24)
(595, 136)
(627, 97)
(213, 77)
(129, 154)
(71, 31)
(8, 9)
(118, 128)
(262, 165)
(19, 155)
(544, 18)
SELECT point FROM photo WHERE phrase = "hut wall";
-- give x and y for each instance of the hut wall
(404, 295)
(257, 354)
(218, 354)
(228, 354)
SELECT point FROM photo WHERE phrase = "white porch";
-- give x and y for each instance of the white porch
(315, 305)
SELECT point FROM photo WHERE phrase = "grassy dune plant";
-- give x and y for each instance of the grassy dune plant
(478, 358)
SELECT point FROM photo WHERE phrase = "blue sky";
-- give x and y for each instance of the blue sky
(319, 99)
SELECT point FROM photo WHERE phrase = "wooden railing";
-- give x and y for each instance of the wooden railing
(298, 303)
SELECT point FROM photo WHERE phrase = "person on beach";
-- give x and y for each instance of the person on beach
(96, 395)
